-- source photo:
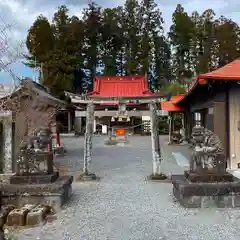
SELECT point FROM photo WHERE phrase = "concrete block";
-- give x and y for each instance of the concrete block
(54, 194)
(36, 216)
(17, 217)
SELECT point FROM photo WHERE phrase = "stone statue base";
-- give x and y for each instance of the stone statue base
(195, 194)
(206, 183)
(208, 176)
(53, 194)
(34, 178)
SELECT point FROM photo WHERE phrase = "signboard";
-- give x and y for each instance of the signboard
(104, 129)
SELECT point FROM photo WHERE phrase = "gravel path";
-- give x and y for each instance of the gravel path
(122, 206)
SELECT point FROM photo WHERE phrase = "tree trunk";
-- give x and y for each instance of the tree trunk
(156, 152)
(88, 137)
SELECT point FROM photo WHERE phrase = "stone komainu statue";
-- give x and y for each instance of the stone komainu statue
(30, 157)
(208, 153)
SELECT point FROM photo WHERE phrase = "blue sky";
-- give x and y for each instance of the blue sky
(20, 14)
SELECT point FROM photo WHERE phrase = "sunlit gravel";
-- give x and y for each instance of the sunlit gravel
(123, 206)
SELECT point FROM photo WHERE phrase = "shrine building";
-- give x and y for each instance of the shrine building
(214, 100)
(136, 115)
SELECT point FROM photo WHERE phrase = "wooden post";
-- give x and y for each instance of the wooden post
(57, 132)
(156, 152)
(88, 137)
(50, 145)
(170, 128)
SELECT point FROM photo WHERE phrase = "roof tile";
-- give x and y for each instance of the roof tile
(125, 86)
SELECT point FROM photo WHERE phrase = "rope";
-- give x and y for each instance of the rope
(124, 128)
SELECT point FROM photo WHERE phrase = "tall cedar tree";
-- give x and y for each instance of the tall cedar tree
(111, 41)
(181, 35)
(127, 40)
(131, 35)
(92, 17)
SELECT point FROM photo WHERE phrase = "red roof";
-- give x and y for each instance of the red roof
(230, 71)
(171, 106)
(124, 86)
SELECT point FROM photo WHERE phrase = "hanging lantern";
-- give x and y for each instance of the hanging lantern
(120, 132)
(112, 119)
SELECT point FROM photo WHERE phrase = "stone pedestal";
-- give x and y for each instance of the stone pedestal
(208, 177)
(53, 194)
(34, 178)
(42, 187)
(194, 194)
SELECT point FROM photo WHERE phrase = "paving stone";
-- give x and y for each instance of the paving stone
(124, 206)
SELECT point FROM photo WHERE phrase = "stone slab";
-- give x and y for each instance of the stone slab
(53, 194)
(196, 195)
(208, 177)
(34, 178)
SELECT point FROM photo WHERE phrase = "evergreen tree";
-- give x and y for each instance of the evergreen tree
(227, 37)
(151, 34)
(131, 35)
(111, 41)
(128, 40)
(40, 39)
(92, 17)
(163, 66)
(181, 35)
